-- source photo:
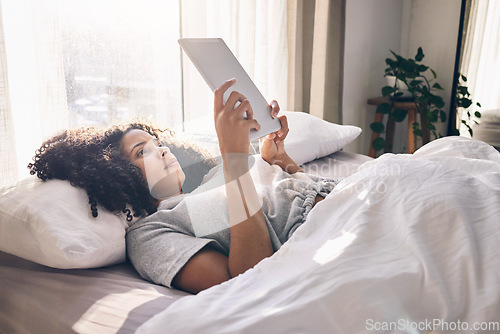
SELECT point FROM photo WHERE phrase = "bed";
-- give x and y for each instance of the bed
(402, 242)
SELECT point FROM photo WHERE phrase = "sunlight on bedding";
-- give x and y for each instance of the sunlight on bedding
(363, 196)
(333, 248)
(271, 311)
(106, 308)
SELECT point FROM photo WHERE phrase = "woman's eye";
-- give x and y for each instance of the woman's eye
(146, 150)
(141, 152)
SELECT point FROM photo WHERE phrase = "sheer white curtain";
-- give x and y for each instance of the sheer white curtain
(34, 93)
(256, 32)
(481, 53)
(8, 159)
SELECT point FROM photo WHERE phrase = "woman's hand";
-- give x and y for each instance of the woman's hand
(272, 146)
(232, 127)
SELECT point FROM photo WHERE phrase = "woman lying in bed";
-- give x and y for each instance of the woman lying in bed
(234, 219)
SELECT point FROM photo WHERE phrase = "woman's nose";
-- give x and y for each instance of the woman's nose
(164, 151)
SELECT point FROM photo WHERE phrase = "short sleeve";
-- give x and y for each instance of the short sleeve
(159, 252)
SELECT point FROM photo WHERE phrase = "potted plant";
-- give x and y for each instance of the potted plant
(463, 102)
(419, 81)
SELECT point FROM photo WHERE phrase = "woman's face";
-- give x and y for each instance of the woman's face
(158, 165)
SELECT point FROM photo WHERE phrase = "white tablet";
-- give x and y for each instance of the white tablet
(217, 64)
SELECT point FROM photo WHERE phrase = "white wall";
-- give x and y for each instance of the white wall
(438, 38)
(373, 27)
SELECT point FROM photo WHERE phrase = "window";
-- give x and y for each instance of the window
(121, 60)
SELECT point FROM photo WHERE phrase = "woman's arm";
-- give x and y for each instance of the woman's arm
(206, 268)
(250, 240)
(287, 164)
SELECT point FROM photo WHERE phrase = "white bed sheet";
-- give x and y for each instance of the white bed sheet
(405, 242)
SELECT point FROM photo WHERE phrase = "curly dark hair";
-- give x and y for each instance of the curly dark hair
(90, 158)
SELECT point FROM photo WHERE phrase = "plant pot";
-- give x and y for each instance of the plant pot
(400, 85)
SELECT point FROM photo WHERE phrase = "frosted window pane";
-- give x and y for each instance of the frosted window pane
(121, 61)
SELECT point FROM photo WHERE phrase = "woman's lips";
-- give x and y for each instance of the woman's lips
(170, 163)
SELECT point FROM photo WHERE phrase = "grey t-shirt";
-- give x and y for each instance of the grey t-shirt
(161, 244)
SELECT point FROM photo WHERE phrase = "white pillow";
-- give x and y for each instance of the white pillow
(50, 223)
(311, 138)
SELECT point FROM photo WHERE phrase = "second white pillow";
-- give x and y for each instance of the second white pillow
(311, 138)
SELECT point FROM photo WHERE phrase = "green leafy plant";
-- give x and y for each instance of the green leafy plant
(420, 81)
(463, 100)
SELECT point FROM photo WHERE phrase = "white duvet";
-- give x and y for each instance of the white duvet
(407, 244)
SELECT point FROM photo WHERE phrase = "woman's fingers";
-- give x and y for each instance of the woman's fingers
(233, 99)
(237, 105)
(219, 94)
(245, 107)
(275, 108)
(283, 132)
(233, 119)
(253, 124)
